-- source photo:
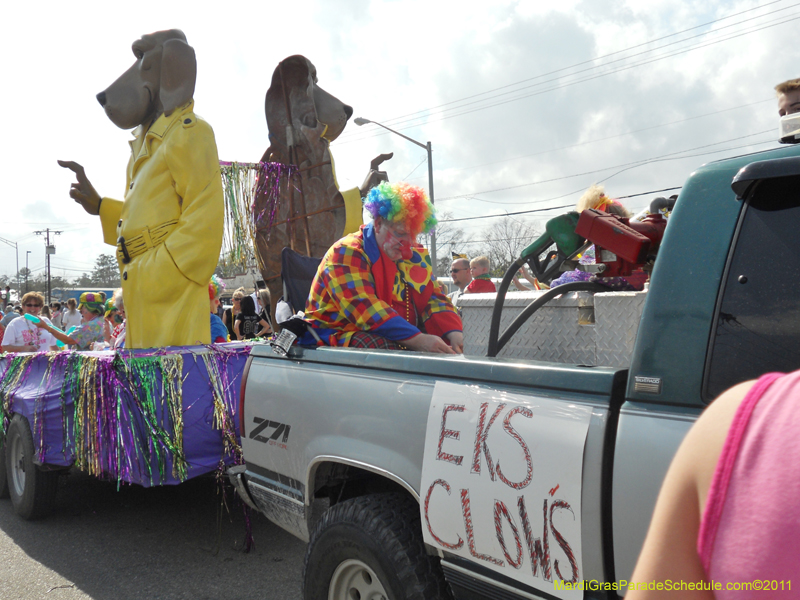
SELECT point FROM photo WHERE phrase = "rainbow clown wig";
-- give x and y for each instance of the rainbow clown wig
(215, 287)
(402, 203)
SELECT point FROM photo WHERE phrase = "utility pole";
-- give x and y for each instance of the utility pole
(14, 245)
(48, 250)
(27, 270)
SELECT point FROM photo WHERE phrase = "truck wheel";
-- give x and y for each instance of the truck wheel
(32, 491)
(3, 477)
(371, 548)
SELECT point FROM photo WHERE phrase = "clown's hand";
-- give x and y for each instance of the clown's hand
(375, 176)
(425, 342)
(83, 191)
(456, 339)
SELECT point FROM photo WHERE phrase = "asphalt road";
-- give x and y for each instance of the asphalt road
(139, 543)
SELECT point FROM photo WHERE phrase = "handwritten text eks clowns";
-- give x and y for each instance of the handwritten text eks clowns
(491, 460)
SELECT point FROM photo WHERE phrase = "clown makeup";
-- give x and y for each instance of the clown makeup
(397, 242)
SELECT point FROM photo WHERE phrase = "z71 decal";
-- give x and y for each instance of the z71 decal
(264, 426)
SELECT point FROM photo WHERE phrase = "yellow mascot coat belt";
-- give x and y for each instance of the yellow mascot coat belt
(170, 229)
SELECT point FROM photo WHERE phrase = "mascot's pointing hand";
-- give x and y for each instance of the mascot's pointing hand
(83, 191)
(375, 175)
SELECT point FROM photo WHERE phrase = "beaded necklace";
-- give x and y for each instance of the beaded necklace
(408, 303)
(37, 333)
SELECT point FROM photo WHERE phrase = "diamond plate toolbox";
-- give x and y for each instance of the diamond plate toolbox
(577, 328)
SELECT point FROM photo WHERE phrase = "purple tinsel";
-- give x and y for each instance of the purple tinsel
(135, 416)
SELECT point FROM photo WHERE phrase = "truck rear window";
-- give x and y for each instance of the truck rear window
(757, 325)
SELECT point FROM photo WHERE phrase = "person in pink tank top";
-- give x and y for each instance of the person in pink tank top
(727, 512)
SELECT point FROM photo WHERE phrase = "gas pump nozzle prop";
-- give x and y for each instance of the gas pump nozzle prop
(621, 245)
(559, 231)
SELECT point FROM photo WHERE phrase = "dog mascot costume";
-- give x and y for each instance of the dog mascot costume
(168, 230)
(303, 120)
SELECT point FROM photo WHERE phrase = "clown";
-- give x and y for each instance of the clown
(376, 289)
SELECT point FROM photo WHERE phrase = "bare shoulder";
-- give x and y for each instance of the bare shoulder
(703, 444)
(669, 551)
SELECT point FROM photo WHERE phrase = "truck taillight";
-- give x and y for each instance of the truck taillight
(245, 373)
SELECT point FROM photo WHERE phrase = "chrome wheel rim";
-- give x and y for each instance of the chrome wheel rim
(17, 463)
(355, 580)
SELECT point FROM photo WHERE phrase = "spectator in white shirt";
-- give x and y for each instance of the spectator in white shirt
(71, 317)
(22, 335)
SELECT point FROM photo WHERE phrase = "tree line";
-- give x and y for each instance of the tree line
(105, 274)
(502, 241)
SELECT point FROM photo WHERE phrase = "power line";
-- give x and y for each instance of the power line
(594, 59)
(601, 66)
(486, 241)
(610, 137)
(60, 223)
(634, 163)
(537, 210)
(425, 158)
(60, 268)
(549, 200)
(669, 189)
(570, 83)
(76, 262)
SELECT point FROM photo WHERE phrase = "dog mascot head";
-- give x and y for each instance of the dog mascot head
(295, 99)
(161, 80)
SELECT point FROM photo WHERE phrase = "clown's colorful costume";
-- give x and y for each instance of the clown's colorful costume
(357, 288)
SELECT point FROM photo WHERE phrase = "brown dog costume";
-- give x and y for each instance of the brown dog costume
(168, 230)
(312, 213)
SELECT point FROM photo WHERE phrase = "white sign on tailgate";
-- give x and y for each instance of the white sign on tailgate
(501, 483)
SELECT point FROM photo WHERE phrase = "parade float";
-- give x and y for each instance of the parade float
(147, 417)
(165, 408)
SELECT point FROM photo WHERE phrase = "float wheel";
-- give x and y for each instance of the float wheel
(32, 490)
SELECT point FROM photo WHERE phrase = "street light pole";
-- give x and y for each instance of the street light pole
(361, 121)
(430, 193)
(16, 247)
(27, 271)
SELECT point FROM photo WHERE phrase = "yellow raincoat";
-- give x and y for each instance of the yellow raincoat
(171, 221)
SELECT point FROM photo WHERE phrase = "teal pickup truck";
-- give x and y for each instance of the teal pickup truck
(422, 476)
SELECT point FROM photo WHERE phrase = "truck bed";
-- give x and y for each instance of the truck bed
(379, 429)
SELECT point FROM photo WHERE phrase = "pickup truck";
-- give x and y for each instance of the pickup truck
(430, 476)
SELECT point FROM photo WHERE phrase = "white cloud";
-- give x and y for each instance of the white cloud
(389, 59)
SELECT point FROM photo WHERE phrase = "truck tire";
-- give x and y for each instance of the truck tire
(32, 490)
(3, 476)
(371, 547)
